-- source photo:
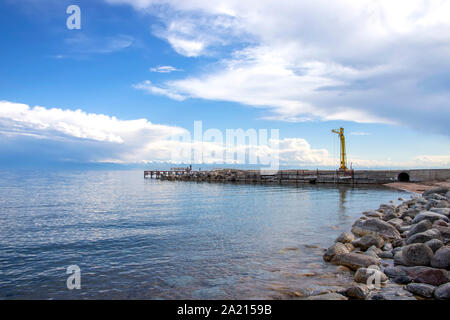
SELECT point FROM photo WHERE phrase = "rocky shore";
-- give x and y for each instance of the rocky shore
(403, 248)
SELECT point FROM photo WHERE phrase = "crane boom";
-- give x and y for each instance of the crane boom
(343, 159)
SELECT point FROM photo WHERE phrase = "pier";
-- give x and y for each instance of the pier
(301, 176)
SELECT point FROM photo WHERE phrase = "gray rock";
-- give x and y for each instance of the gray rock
(417, 254)
(429, 215)
(362, 275)
(443, 291)
(425, 236)
(377, 227)
(439, 190)
(440, 204)
(441, 258)
(337, 248)
(421, 289)
(445, 232)
(386, 255)
(396, 222)
(368, 240)
(433, 276)
(402, 279)
(328, 296)
(397, 249)
(354, 261)
(407, 220)
(345, 237)
(434, 244)
(422, 226)
(440, 223)
(390, 215)
(411, 213)
(443, 211)
(378, 296)
(398, 243)
(394, 272)
(358, 291)
(448, 194)
(387, 246)
(398, 258)
(373, 214)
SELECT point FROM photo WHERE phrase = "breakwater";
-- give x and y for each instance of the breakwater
(406, 244)
(302, 176)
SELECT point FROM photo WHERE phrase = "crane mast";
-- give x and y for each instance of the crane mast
(343, 159)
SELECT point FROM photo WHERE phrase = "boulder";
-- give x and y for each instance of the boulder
(377, 227)
(425, 236)
(396, 222)
(434, 244)
(443, 291)
(345, 237)
(398, 258)
(429, 215)
(411, 213)
(417, 254)
(448, 194)
(421, 289)
(337, 248)
(402, 279)
(441, 258)
(387, 247)
(443, 211)
(362, 275)
(433, 276)
(407, 220)
(422, 226)
(368, 240)
(394, 272)
(439, 190)
(328, 296)
(373, 214)
(354, 261)
(440, 223)
(358, 291)
(398, 243)
(386, 255)
(445, 232)
(378, 296)
(389, 216)
(440, 204)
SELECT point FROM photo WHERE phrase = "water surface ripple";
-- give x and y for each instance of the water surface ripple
(146, 239)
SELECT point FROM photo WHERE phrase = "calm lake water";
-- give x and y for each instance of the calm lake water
(136, 238)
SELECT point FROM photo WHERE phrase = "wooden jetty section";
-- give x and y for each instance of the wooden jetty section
(301, 176)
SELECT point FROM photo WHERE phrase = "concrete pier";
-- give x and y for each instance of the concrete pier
(303, 176)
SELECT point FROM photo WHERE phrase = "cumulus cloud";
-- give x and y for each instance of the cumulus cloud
(364, 61)
(86, 136)
(68, 135)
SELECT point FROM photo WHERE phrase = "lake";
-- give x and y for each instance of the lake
(136, 238)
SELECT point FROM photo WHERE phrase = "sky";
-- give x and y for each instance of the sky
(140, 72)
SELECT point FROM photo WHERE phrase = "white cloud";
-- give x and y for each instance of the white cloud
(189, 48)
(123, 140)
(84, 44)
(164, 69)
(148, 87)
(81, 136)
(365, 61)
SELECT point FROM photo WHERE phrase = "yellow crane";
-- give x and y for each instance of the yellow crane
(340, 132)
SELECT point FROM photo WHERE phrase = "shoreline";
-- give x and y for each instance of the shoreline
(398, 251)
(418, 187)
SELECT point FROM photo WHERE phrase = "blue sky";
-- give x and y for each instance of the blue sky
(381, 70)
